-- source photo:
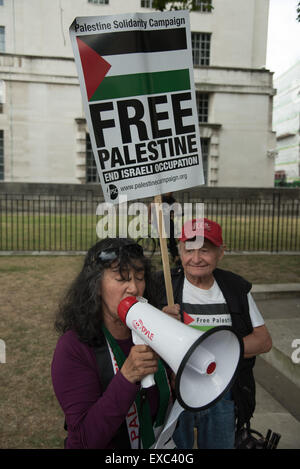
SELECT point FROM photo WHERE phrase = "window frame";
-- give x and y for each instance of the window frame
(204, 7)
(91, 173)
(2, 155)
(202, 100)
(2, 38)
(99, 2)
(147, 3)
(201, 47)
(205, 149)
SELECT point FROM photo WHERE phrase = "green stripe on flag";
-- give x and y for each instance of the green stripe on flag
(202, 328)
(137, 84)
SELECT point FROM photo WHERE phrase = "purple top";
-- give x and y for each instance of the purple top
(92, 417)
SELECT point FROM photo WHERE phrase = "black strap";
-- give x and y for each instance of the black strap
(106, 374)
(105, 367)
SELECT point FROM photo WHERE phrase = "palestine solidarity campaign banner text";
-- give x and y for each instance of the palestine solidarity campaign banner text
(137, 84)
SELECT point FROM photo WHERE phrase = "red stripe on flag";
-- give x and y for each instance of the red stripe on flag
(187, 319)
(94, 67)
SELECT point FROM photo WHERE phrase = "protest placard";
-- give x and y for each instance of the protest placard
(137, 84)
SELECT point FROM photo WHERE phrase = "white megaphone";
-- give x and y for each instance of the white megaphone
(205, 363)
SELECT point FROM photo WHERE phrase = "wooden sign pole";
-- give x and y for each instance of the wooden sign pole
(164, 250)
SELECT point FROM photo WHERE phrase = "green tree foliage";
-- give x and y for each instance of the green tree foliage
(298, 12)
(191, 5)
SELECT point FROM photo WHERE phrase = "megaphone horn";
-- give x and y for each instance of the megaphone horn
(205, 363)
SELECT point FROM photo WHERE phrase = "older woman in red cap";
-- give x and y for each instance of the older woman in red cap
(206, 296)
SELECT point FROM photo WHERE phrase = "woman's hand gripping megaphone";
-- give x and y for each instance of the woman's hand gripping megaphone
(148, 380)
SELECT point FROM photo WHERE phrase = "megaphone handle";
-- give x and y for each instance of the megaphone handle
(148, 381)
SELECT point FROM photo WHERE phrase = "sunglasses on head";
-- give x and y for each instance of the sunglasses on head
(111, 254)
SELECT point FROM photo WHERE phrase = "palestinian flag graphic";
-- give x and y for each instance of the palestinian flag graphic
(134, 63)
(187, 319)
(206, 316)
(192, 320)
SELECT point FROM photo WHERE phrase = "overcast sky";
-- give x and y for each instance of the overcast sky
(283, 49)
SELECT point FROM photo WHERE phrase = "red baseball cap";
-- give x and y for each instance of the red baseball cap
(202, 227)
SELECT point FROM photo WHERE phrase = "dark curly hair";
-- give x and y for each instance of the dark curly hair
(80, 310)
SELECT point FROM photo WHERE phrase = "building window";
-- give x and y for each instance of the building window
(204, 6)
(2, 95)
(146, 3)
(201, 48)
(91, 168)
(1, 155)
(2, 38)
(202, 100)
(99, 2)
(205, 155)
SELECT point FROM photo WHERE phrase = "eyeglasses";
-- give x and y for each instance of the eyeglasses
(111, 254)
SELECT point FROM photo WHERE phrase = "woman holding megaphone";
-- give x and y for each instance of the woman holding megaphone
(96, 368)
